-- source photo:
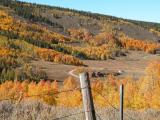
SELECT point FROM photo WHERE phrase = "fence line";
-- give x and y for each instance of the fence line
(68, 115)
(71, 91)
(11, 98)
(99, 116)
(65, 91)
(113, 105)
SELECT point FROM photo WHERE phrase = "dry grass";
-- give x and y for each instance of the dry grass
(35, 110)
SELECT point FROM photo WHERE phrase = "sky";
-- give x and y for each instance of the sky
(145, 10)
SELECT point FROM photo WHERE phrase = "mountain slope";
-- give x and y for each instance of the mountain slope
(61, 19)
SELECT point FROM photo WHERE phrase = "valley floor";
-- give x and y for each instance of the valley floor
(132, 65)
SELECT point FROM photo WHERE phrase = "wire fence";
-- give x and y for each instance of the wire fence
(115, 108)
(66, 116)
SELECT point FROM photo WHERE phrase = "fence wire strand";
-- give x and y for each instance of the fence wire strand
(113, 105)
(15, 98)
(55, 93)
(66, 116)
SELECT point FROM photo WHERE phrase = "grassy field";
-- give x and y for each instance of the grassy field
(35, 110)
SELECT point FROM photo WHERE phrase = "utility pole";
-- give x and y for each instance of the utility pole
(87, 96)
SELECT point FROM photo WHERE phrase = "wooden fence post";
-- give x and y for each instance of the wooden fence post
(121, 101)
(87, 97)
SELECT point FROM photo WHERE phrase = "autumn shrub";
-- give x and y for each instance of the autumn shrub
(80, 34)
(103, 52)
(54, 56)
(151, 84)
(138, 93)
(33, 33)
(134, 44)
(71, 98)
(16, 54)
(42, 37)
(36, 35)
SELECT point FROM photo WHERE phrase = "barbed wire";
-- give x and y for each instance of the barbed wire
(55, 93)
(68, 115)
(75, 114)
(113, 105)
(52, 94)
(98, 116)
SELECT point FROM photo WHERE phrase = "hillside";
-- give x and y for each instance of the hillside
(44, 48)
(61, 19)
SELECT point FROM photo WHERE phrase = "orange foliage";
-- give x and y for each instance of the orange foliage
(28, 30)
(70, 98)
(101, 52)
(54, 56)
(131, 43)
(82, 34)
(46, 91)
(29, 50)
(102, 38)
(5, 52)
(105, 92)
